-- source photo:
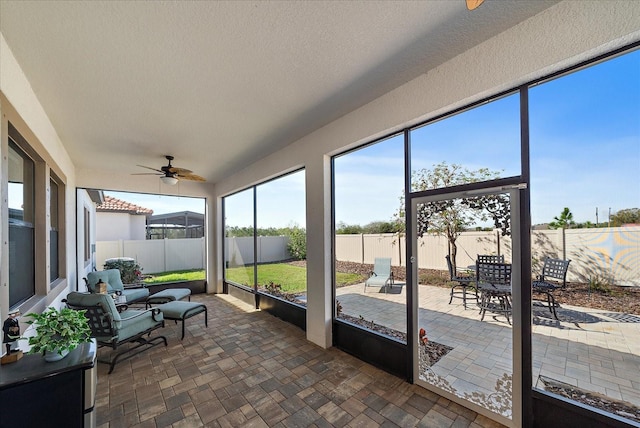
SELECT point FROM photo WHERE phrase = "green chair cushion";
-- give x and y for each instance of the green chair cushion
(110, 276)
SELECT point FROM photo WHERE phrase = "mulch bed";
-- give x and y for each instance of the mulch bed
(611, 298)
(430, 353)
(620, 408)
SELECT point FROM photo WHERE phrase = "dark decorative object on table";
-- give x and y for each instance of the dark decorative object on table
(11, 334)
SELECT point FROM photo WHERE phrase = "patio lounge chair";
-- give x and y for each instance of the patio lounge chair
(133, 293)
(553, 269)
(381, 276)
(114, 329)
(463, 282)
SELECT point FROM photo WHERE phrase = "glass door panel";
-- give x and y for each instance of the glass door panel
(464, 328)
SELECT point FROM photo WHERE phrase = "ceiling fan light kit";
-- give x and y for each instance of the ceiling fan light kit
(169, 180)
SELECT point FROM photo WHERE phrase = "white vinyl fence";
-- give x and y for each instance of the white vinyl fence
(162, 255)
(155, 255)
(239, 251)
(610, 255)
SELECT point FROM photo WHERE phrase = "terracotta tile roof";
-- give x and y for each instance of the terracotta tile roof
(112, 204)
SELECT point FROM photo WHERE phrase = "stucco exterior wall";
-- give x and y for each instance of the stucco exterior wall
(115, 226)
(20, 105)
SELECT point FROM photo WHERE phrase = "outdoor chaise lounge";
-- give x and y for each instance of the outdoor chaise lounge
(381, 276)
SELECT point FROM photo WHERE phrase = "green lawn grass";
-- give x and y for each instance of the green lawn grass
(293, 279)
(178, 275)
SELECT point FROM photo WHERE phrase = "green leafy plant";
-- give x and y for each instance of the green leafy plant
(297, 245)
(130, 270)
(58, 330)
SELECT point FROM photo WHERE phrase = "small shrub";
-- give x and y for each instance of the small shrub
(600, 283)
(130, 270)
(297, 245)
(273, 288)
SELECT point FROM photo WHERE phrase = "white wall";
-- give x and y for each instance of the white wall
(113, 226)
(85, 266)
(560, 36)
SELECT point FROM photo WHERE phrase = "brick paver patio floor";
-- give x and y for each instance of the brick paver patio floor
(250, 369)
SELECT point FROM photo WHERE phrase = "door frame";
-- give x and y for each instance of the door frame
(519, 384)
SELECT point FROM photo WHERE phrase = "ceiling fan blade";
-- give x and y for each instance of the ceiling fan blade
(146, 173)
(172, 172)
(472, 4)
(191, 177)
(176, 170)
(148, 167)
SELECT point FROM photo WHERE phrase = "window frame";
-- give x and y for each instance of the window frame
(253, 289)
(16, 131)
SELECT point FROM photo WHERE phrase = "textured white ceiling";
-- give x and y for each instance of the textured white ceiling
(219, 85)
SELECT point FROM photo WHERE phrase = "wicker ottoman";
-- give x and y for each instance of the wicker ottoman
(179, 311)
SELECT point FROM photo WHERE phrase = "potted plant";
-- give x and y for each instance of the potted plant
(58, 332)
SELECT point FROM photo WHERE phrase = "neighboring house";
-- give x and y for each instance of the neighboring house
(117, 219)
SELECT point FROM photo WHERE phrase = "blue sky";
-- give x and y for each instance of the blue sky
(281, 203)
(585, 148)
(161, 204)
(585, 154)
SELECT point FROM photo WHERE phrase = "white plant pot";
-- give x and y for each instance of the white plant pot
(51, 356)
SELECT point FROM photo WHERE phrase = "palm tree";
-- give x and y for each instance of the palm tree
(564, 221)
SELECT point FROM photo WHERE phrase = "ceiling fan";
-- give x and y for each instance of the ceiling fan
(170, 174)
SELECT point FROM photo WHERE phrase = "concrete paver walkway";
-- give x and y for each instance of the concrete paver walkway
(595, 350)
